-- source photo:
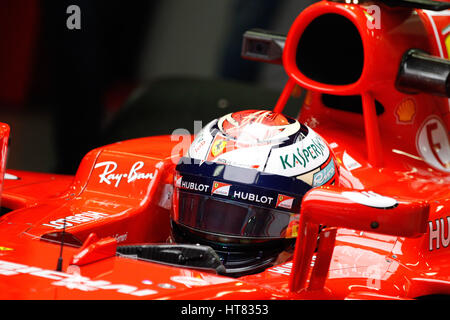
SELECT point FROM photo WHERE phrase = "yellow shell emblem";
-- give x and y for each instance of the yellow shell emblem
(406, 110)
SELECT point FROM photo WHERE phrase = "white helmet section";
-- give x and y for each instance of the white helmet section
(202, 143)
(252, 130)
(262, 147)
(221, 149)
(300, 157)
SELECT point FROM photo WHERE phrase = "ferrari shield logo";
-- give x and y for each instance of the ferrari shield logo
(284, 201)
(221, 188)
(218, 147)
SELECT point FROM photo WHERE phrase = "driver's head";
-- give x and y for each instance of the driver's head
(240, 186)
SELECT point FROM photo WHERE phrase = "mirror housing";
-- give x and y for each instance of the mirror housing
(345, 208)
(421, 72)
(365, 211)
(262, 45)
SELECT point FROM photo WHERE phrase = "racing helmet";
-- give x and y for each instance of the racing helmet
(240, 185)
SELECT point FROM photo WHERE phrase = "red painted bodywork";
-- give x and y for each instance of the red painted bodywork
(121, 194)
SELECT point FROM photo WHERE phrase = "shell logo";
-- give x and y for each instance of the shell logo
(406, 110)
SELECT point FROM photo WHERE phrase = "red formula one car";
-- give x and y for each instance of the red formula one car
(371, 221)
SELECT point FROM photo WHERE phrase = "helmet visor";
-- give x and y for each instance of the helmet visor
(230, 218)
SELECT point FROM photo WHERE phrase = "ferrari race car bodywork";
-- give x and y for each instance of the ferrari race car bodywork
(382, 232)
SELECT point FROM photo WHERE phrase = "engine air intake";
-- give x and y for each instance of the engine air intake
(330, 51)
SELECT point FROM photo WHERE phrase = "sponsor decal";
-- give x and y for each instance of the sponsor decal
(120, 237)
(110, 176)
(197, 149)
(245, 156)
(189, 281)
(200, 145)
(178, 180)
(9, 176)
(252, 197)
(349, 162)
(433, 144)
(71, 281)
(221, 188)
(284, 201)
(371, 199)
(303, 156)
(324, 175)
(333, 145)
(284, 269)
(6, 249)
(218, 147)
(406, 111)
(439, 233)
(78, 218)
(194, 186)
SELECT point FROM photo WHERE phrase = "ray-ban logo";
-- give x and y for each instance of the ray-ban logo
(110, 176)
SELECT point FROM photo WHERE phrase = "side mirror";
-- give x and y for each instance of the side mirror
(421, 72)
(418, 4)
(365, 211)
(343, 208)
(264, 46)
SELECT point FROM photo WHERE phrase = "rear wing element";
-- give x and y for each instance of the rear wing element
(340, 208)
